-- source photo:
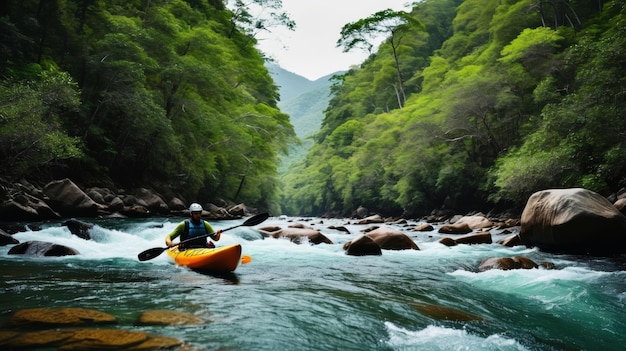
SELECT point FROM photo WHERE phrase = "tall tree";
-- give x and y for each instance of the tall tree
(391, 24)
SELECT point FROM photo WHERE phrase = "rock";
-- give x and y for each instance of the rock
(391, 239)
(340, 228)
(135, 211)
(475, 222)
(100, 339)
(273, 228)
(296, 235)
(238, 210)
(511, 241)
(477, 238)
(57, 317)
(371, 219)
(447, 241)
(13, 210)
(86, 339)
(360, 213)
(41, 249)
(446, 313)
(69, 200)
(6, 239)
(424, 227)
(576, 221)
(362, 246)
(507, 263)
(153, 202)
(161, 317)
(35, 340)
(116, 204)
(176, 204)
(79, 228)
(462, 228)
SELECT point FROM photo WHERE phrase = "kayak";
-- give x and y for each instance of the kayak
(219, 259)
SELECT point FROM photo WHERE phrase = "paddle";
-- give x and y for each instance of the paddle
(156, 251)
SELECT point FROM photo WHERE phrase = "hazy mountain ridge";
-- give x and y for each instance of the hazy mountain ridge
(304, 101)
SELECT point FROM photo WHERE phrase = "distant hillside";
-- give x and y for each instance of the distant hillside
(304, 101)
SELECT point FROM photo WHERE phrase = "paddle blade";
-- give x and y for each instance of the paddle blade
(254, 220)
(150, 253)
(245, 259)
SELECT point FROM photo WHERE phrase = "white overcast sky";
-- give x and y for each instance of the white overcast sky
(310, 50)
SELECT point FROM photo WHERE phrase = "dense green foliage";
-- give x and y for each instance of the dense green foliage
(169, 94)
(504, 98)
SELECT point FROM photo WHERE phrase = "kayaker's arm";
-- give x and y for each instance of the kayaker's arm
(174, 234)
(215, 234)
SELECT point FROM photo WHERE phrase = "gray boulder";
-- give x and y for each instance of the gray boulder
(69, 200)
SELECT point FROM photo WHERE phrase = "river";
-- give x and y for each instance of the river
(314, 297)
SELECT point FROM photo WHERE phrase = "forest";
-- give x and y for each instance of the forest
(471, 105)
(170, 95)
(466, 105)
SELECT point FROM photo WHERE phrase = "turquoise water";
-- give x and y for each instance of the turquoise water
(303, 297)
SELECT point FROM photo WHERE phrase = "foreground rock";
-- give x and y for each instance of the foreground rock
(42, 249)
(56, 328)
(576, 221)
(57, 317)
(86, 339)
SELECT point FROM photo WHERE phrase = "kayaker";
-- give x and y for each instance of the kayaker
(192, 227)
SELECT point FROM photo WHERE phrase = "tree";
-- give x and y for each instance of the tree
(393, 25)
(255, 16)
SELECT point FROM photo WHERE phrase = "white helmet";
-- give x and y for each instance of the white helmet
(195, 207)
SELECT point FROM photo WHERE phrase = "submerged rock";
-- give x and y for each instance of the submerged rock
(58, 317)
(446, 313)
(162, 317)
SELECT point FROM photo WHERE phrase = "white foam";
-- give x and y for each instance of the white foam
(442, 338)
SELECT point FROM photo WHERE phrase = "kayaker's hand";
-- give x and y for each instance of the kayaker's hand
(217, 235)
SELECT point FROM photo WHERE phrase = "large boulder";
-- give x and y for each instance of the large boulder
(153, 201)
(25, 207)
(475, 222)
(391, 239)
(577, 221)
(69, 200)
(362, 246)
(41, 248)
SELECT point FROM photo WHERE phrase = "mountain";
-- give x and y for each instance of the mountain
(304, 101)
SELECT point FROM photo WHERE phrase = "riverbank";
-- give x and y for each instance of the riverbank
(24, 201)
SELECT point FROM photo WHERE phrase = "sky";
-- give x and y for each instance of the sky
(310, 50)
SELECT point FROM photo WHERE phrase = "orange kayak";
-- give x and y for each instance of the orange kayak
(219, 259)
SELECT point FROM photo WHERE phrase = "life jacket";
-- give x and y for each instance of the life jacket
(193, 230)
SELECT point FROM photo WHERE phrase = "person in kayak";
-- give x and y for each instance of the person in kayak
(192, 227)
